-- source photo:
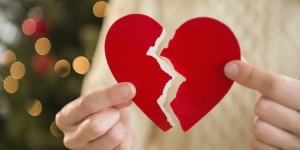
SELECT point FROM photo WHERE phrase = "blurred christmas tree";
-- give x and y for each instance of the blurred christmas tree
(45, 49)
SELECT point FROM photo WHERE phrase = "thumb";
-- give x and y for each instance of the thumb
(252, 77)
(124, 91)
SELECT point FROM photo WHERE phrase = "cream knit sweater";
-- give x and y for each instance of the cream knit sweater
(269, 35)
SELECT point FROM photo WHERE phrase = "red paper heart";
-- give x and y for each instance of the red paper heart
(199, 51)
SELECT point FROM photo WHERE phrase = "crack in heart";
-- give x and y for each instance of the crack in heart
(169, 69)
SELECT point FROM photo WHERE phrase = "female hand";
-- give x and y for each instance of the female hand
(277, 125)
(99, 120)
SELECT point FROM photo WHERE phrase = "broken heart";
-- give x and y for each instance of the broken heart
(198, 51)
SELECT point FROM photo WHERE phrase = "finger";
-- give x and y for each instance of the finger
(280, 88)
(274, 136)
(258, 145)
(112, 139)
(81, 108)
(127, 144)
(250, 76)
(92, 128)
(124, 105)
(278, 115)
(125, 116)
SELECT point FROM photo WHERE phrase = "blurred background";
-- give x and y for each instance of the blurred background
(45, 50)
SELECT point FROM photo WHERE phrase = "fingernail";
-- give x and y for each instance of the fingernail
(125, 91)
(232, 70)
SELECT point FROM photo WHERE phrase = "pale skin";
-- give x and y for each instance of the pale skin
(101, 119)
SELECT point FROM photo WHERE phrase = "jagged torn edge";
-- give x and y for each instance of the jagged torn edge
(169, 69)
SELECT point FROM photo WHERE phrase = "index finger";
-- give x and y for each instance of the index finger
(81, 108)
(279, 88)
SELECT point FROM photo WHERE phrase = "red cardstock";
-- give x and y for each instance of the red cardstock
(199, 50)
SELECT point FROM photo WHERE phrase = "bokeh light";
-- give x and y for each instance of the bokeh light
(36, 13)
(62, 68)
(100, 9)
(17, 70)
(81, 65)
(41, 65)
(29, 26)
(54, 130)
(9, 32)
(8, 57)
(10, 84)
(35, 108)
(42, 46)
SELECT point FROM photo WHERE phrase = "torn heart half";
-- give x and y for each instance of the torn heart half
(198, 51)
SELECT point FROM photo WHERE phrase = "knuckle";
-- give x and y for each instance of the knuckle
(97, 126)
(58, 121)
(68, 142)
(126, 145)
(86, 104)
(111, 95)
(249, 77)
(254, 144)
(258, 129)
(265, 82)
(261, 107)
(272, 85)
(116, 135)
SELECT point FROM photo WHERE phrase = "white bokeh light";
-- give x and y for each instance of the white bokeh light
(9, 33)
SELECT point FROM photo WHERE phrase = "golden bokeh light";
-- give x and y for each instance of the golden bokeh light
(17, 70)
(81, 65)
(42, 46)
(54, 130)
(8, 57)
(62, 68)
(100, 9)
(35, 108)
(10, 84)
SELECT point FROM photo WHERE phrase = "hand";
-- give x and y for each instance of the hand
(277, 124)
(99, 120)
